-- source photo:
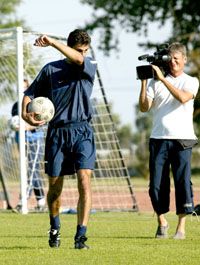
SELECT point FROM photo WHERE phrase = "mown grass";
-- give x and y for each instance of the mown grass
(114, 238)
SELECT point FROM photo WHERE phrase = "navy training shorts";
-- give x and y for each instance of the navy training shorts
(69, 148)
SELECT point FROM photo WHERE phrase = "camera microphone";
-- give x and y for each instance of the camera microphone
(143, 57)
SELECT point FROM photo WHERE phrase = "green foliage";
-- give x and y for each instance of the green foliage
(125, 136)
(115, 238)
(8, 50)
(32, 62)
(7, 14)
(136, 15)
(136, 143)
(141, 139)
(7, 78)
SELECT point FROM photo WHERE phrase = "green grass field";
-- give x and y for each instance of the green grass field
(114, 238)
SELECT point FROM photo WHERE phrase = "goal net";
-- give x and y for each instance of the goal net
(22, 177)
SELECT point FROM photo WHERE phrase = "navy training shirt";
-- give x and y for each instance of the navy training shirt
(68, 86)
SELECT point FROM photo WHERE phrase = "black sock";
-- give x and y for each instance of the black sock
(55, 222)
(81, 230)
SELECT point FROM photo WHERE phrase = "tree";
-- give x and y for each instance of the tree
(125, 136)
(8, 20)
(136, 16)
(7, 14)
(141, 140)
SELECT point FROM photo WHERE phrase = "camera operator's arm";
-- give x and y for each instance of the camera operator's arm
(144, 102)
(181, 95)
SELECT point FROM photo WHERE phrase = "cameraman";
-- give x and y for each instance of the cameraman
(171, 99)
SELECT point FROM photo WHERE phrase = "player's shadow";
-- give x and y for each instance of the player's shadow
(125, 237)
(17, 247)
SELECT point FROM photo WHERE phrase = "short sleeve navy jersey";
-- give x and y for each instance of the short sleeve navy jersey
(68, 86)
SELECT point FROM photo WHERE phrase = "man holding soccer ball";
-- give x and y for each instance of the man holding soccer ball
(70, 146)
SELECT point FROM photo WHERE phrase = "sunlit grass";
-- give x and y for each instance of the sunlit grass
(114, 238)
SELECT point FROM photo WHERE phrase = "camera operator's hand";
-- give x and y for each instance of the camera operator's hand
(159, 73)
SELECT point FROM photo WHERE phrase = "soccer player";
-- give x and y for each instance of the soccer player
(70, 146)
(171, 100)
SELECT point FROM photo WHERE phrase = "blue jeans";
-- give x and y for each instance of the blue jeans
(163, 154)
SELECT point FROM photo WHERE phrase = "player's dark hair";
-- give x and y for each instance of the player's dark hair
(78, 36)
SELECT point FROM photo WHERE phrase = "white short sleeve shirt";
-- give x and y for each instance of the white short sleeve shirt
(171, 118)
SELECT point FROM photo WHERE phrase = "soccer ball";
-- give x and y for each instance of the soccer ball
(14, 123)
(44, 107)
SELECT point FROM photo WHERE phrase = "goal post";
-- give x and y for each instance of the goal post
(22, 156)
(111, 183)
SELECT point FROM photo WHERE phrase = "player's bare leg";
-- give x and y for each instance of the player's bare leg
(83, 207)
(85, 196)
(54, 195)
(54, 202)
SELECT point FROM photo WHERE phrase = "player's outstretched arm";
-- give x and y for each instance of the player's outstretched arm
(29, 117)
(73, 55)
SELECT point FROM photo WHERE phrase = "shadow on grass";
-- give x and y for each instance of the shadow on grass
(17, 247)
(123, 237)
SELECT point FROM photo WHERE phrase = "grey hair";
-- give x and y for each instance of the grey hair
(177, 47)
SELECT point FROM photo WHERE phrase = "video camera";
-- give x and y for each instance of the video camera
(159, 58)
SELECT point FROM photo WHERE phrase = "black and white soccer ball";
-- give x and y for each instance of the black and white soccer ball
(43, 107)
